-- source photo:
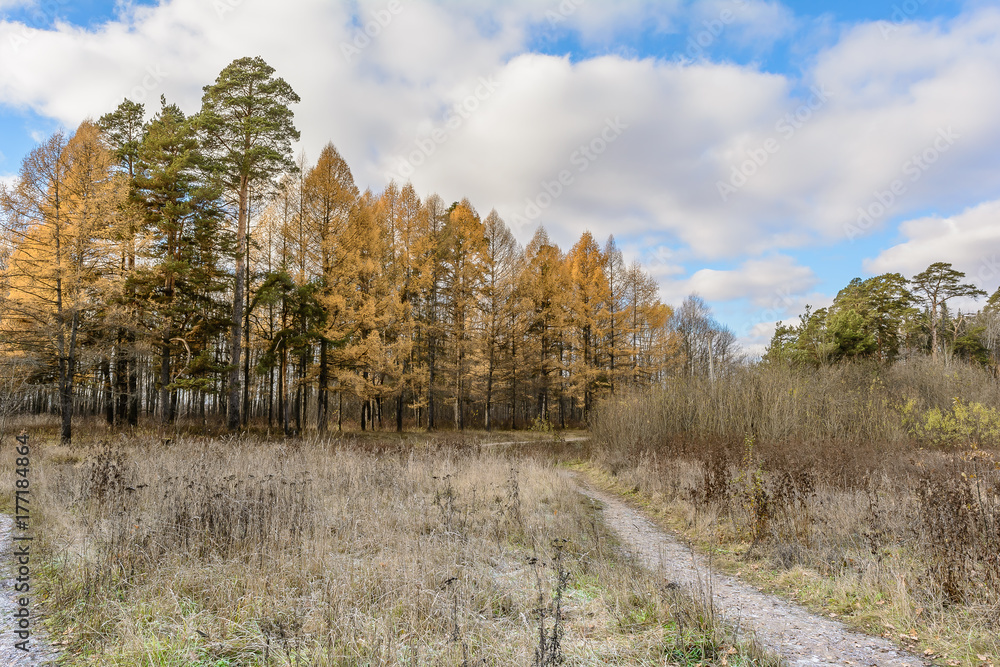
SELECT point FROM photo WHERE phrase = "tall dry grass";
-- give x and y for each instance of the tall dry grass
(856, 403)
(345, 552)
(840, 481)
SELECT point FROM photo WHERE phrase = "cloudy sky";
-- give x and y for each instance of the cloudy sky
(758, 153)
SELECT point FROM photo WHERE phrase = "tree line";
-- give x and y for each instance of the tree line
(888, 317)
(188, 266)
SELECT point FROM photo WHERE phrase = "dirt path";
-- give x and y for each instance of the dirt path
(801, 637)
(39, 653)
(508, 443)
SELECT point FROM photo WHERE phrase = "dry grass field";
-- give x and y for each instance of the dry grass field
(870, 495)
(865, 493)
(347, 551)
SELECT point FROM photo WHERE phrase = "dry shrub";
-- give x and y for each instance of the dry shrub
(959, 516)
(817, 468)
(852, 403)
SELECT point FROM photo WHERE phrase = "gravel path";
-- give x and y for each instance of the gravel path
(798, 635)
(508, 443)
(39, 653)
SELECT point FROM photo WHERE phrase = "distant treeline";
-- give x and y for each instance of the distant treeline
(888, 316)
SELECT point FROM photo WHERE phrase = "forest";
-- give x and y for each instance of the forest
(189, 267)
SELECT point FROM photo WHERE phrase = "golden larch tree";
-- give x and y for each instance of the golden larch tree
(59, 217)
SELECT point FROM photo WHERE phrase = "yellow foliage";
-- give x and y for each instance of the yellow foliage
(964, 424)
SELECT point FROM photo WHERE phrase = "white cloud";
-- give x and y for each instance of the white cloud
(767, 282)
(752, 23)
(839, 139)
(757, 293)
(887, 100)
(547, 110)
(969, 240)
(826, 154)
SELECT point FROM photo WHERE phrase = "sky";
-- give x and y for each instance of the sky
(758, 153)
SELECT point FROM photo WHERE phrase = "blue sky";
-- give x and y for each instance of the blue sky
(748, 149)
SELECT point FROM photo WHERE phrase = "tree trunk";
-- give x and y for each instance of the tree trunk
(234, 420)
(132, 359)
(489, 390)
(133, 382)
(322, 402)
(166, 411)
(460, 398)
(109, 393)
(513, 382)
(300, 385)
(934, 337)
(270, 398)
(245, 416)
(305, 400)
(399, 411)
(586, 369)
(67, 371)
(430, 385)
(66, 401)
(121, 380)
(282, 402)
(121, 384)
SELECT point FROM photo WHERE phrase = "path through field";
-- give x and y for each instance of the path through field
(510, 443)
(799, 636)
(39, 652)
